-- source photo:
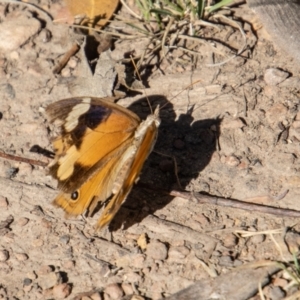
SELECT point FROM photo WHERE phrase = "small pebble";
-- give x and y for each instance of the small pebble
(64, 239)
(276, 293)
(157, 250)
(72, 63)
(45, 35)
(280, 282)
(127, 288)
(225, 261)
(47, 224)
(21, 256)
(31, 275)
(62, 291)
(114, 291)
(275, 76)
(231, 161)
(27, 281)
(178, 253)
(69, 264)
(43, 270)
(66, 72)
(96, 296)
(50, 280)
(22, 221)
(4, 255)
(27, 288)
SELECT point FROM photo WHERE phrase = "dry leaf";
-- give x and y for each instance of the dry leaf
(97, 12)
(142, 241)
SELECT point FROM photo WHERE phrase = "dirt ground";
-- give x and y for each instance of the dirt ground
(234, 134)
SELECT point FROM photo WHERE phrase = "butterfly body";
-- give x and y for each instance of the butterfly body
(98, 154)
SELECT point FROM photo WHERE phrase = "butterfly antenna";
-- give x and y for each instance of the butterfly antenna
(138, 74)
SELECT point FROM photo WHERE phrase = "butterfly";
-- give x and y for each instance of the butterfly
(99, 153)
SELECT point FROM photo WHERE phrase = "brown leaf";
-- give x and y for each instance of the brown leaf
(98, 12)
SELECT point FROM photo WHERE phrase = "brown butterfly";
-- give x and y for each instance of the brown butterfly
(99, 153)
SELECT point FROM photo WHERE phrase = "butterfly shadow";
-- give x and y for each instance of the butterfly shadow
(191, 143)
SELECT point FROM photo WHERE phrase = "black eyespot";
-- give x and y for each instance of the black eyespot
(74, 195)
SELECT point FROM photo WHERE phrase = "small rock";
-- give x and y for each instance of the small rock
(62, 290)
(4, 255)
(43, 270)
(280, 282)
(69, 264)
(276, 293)
(47, 224)
(275, 76)
(114, 291)
(157, 250)
(27, 288)
(27, 281)
(21, 256)
(127, 288)
(50, 280)
(64, 239)
(230, 240)
(237, 263)
(3, 202)
(225, 261)
(66, 72)
(31, 275)
(73, 62)
(96, 296)
(22, 221)
(232, 124)
(231, 161)
(178, 253)
(45, 35)
(9, 237)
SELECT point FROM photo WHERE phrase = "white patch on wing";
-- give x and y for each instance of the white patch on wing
(78, 110)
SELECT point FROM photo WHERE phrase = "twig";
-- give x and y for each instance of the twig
(200, 199)
(57, 69)
(23, 159)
